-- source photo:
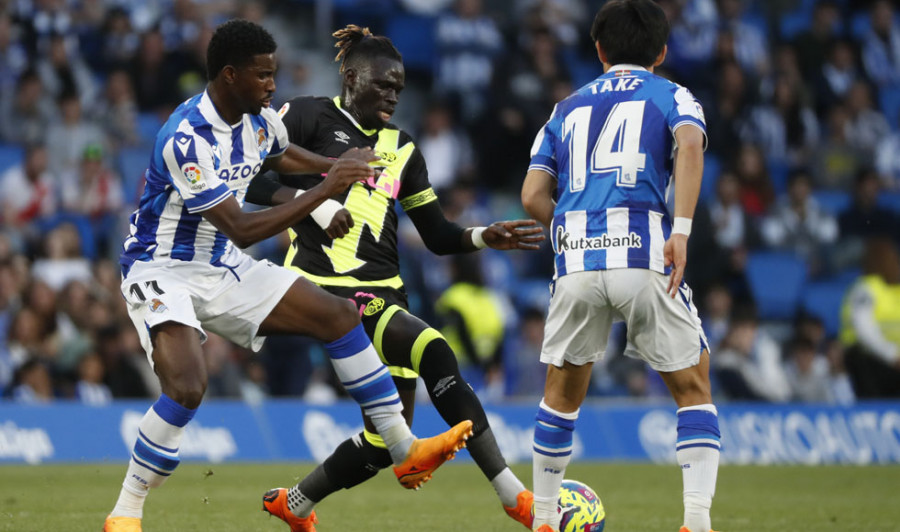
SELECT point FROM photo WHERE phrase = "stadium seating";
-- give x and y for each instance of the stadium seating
(414, 37)
(890, 201)
(833, 202)
(776, 282)
(889, 101)
(532, 293)
(148, 125)
(778, 173)
(794, 23)
(823, 299)
(131, 164)
(712, 168)
(10, 155)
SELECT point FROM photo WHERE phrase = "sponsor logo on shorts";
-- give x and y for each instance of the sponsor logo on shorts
(374, 307)
(157, 306)
(564, 242)
(194, 176)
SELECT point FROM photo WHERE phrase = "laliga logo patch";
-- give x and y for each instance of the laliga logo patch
(284, 109)
(157, 306)
(261, 139)
(194, 176)
(374, 307)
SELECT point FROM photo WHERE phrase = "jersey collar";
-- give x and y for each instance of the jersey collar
(209, 111)
(368, 132)
(625, 66)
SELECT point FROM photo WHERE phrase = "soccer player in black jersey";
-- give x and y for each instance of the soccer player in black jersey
(349, 247)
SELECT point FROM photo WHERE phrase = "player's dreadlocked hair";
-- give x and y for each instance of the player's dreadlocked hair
(235, 43)
(357, 43)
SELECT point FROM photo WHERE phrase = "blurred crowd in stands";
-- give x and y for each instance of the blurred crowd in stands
(793, 260)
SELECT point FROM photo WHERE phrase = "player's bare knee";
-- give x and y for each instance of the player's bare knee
(692, 392)
(186, 392)
(342, 317)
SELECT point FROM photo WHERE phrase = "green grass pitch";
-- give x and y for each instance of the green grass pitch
(638, 498)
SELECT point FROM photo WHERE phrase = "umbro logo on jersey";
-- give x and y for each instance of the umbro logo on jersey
(340, 136)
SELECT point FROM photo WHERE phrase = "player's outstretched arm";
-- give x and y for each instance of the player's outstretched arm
(515, 234)
(688, 175)
(247, 228)
(537, 196)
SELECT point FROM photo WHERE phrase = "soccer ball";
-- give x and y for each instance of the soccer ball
(580, 507)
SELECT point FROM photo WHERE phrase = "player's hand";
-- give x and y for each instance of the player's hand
(340, 224)
(675, 254)
(345, 172)
(365, 155)
(516, 234)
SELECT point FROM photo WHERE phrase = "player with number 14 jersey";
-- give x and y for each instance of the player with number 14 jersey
(610, 146)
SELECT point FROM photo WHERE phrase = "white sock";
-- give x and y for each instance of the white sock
(697, 452)
(130, 503)
(155, 454)
(508, 487)
(397, 436)
(552, 451)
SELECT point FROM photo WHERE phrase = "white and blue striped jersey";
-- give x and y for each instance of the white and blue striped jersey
(610, 147)
(198, 161)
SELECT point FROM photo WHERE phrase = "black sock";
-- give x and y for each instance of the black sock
(347, 466)
(455, 401)
(484, 450)
(353, 462)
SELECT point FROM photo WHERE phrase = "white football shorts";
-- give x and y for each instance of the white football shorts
(664, 332)
(230, 301)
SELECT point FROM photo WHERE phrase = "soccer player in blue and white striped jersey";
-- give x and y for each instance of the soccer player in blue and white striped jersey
(183, 273)
(607, 155)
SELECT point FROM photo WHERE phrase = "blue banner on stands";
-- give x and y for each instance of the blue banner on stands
(867, 433)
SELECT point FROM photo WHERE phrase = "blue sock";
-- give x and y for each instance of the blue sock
(365, 378)
(370, 384)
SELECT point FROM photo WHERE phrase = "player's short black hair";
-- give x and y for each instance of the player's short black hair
(631, 31)
(359, 44)
(235, 43)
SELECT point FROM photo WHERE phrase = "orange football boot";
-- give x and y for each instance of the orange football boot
(544, 528)
(275, 502)
(426, 455)
(523, 511)
(122, 524)
(686, 529)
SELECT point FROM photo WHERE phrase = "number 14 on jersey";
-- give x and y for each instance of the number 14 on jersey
(617, 148)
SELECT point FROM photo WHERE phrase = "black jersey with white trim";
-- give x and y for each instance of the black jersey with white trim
(367, 255)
